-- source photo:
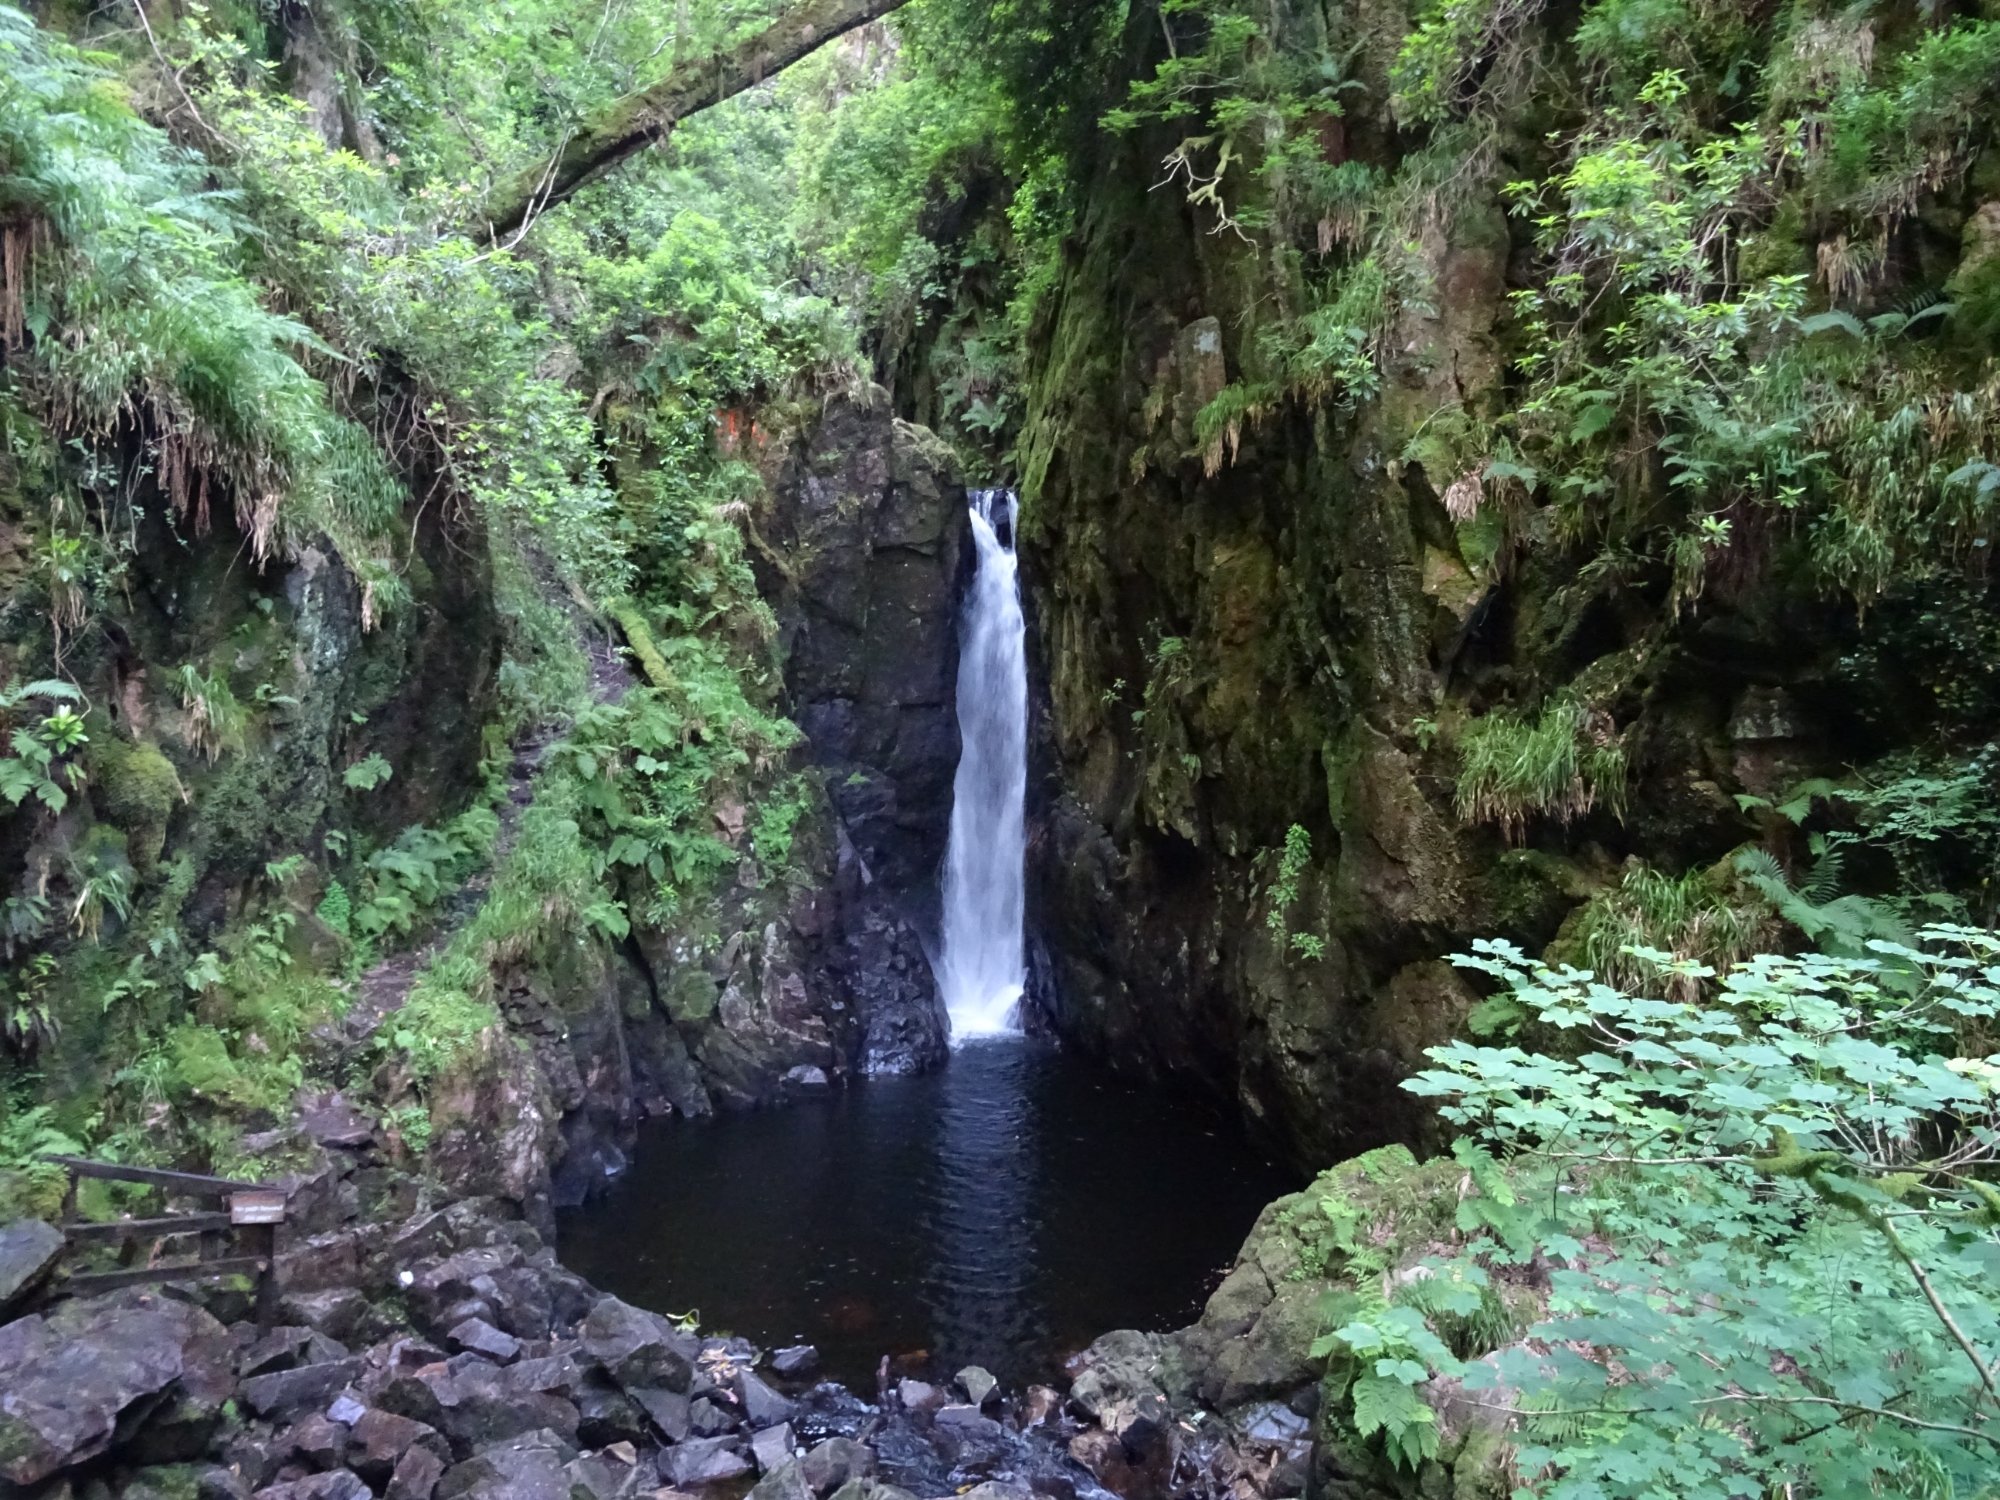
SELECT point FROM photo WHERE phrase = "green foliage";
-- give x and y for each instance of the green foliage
(366, 774)
(35, 765)
(1293, 862)
(132, 303)
(1688, 917)
(215, 720)
(1766, 1223)
(1560, 765)
(29, 1185)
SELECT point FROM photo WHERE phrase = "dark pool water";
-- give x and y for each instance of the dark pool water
(1003, 1211)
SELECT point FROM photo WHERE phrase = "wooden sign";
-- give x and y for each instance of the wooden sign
(259, 1206)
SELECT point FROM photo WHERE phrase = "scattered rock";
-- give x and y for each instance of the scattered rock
(286, 1348)
(798, 1360)
(29, 1250)
(416, 1476)
(834, 1463)
(638, 1348)
(772, 1448)
(967, 1421)
(331, 1121)
(286, 1391)
(382, 1441)
(477, 1336)
(762, 1406)
(72, 1377)
(346, 1410)
(709, 1420)
(315, 1443)
(670, 1412)
(702, 1461)
(978, 1384)
(341, 1484)
(919, 1395)
(531, 1467)
(1042, 1403)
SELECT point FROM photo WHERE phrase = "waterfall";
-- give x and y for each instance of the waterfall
(980, 969)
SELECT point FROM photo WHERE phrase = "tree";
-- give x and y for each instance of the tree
(647, 116)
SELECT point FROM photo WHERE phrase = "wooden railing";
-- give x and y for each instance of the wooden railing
(250, 1215)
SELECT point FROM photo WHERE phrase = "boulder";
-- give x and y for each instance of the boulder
(762, 1406)
(381, 1440)
(606, 1476)
(416, 1476)
(704, 1461)
(284, 1392)
(795, 1362)
(639, 1348)
(978, 1384)
(340, 1313)
(477, 1336)
(772, 1448)
(29, 1250)
(97, 1369)
(341, 1484)
(533, 1466)
(670, 1411)
(786, 1482)
(834, 1463)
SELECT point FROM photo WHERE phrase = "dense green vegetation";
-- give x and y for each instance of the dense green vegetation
(1676, 315)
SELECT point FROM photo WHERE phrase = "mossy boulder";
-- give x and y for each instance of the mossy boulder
(134, 788)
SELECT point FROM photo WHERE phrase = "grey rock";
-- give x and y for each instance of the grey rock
(600, 1476)
(772, 1448)
(346, 1410)
(340, 1313)
(669, 1411)
(703, 1461)
(286, 1348)
(807, 1076)
(762, 1406)
(834, 1463)
(416, 1476)
(477, 1336)
(919, 1395)
(382, 1440)
(29, 1250)
(966, 1421)
(978, 1384)
(315, 1442)
(710, 1420)
(527, 1470)
(786, 1482)
(639, 1348)
(1273, 1423)
(995, 1489)
(73, 1378)
(799, 1359)
(341, 1484)
(286, 1391)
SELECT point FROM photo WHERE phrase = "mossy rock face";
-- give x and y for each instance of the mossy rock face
(134, 788)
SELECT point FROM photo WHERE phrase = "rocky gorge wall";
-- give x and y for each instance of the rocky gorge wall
(1283, 623)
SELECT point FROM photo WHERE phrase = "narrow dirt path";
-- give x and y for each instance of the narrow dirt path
(386, 984)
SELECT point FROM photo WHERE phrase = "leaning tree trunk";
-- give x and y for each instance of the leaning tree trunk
(643, 118)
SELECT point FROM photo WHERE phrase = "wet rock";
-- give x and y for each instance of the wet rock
(762, 1406)
(772, 1448)
(670, 1411)
(638, 1348)
(331, 1121)
(834, 1463)
(381, 1440)
(416, 1475)
(314, 1442)
(806, 1076)
(1042, 1403)
(339, 1313)
(477, 1336)
(532, 1466)
(285, 1348)
(29, 1250)
(966, 1422)
(287, 1391)
(606, 1476)
(786, 1482)
(978, 1384)
(1271, 1422)
(341, 1484)
(480, 1407)
(796, 1362)
(606, 1415)
(995, 1489)
(919, 1395)
(709, 1420)
(1138, 1423)
(704, 1461)
(72, 1377)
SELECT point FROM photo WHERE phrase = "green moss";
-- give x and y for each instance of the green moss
(639, 638)
(136, 789)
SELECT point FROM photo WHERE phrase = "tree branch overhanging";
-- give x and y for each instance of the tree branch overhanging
(641, 119)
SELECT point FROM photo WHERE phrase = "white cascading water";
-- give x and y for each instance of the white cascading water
(981, 972)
